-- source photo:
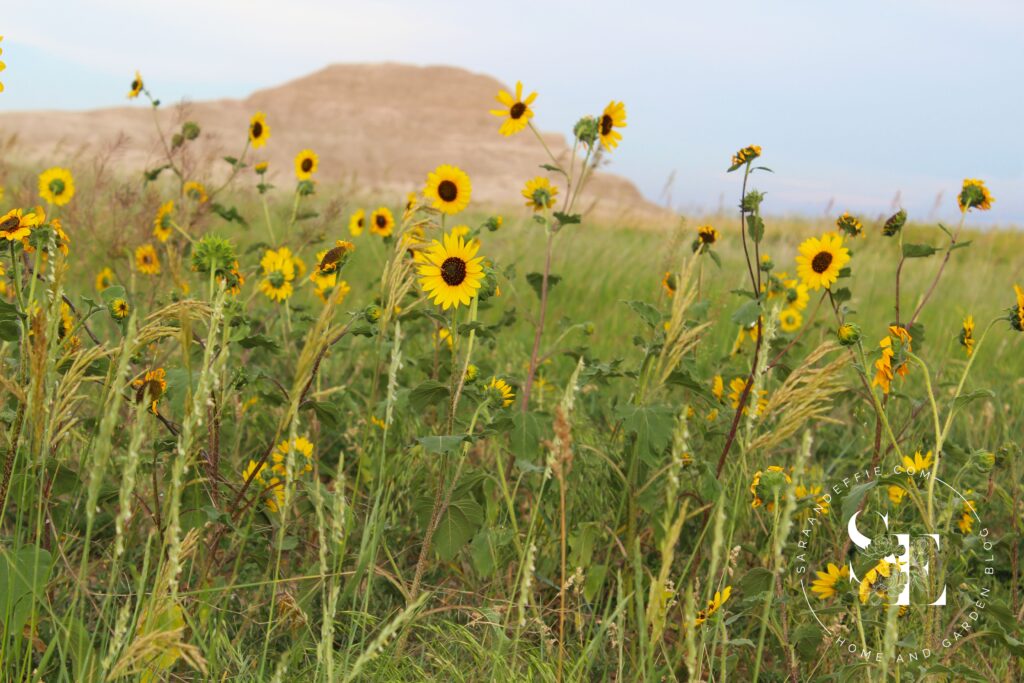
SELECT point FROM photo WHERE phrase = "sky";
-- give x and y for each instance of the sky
(853, 103)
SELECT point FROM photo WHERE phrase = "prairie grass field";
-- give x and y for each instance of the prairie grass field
(248, 438)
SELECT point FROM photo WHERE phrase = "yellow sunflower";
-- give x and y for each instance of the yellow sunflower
(261, 167)
(279, 269)
(61, 239)
(825, 584)
(259, 131)
(613, 116)
(150, 386)
(874, 576)
(355, 223)
(136, 87)
(717, 387)
(820, 260)
(967, 335)
(104, 279)
(706, 235)
(790, 319)
(736, 387)
(16, 225)
(540, 193)
(668, 283)
(795, 292)
(918, 463)
(451, 273)
(745, 155)
(56, 186)
(305, 164)
(755, 483)
(146, 260)
(195, 191)
(501, 391)
(331, 260)
(448, 188)
(974, 195)
(300, 446)
(884, 370)
(714, 604)
(119, 308)
(516, 109)
(1017, 312)
(162, 229)
(382, 222)
(850, 225)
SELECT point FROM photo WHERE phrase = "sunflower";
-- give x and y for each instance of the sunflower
(894, 223)
(540, 193)
(668, 283)
(146, 260)
(967, 335)
(195, 191)
(974, 195)
(501, 392)
(825, 584)
(279, 268)
(714, 604)
(61, 240)
(451, 273)
(104, 279)
(755, 483)
(259, 131)
(162, 229)
(919, 463)
(356, 223)
(301, 446)
(261, 167)
(448, 188)
(790, 319)
(884, 370)
(516, 109)
(119, 309)
(850, 225)
(795, 292)
(136, 86)
(717, 387)
(67, 326)
(613, 116)
(150, 386)
(821, 259)
(382, 222)
(736, 387)
(1017, 312)
(331, 285)
(305, 164)
(896, 494)
(331, 260)
(814, 492)
(967, 511)
(872, 581)
(232, 279)
(56, 186)
(745, 155)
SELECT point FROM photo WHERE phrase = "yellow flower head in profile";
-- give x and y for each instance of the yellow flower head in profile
(825, 584)
(61, 239)
(448, 189)
(136, 86)
(56, 186)
(821, 259)
(885, 371)
(162, 229)
(451, 272)
(16, 225)
(306, 163)
(259, 131)
(382, 222)
(1017, 312)
(968, 510)
(668, 283)
(150, 387)
(790, 319)
(736, 387)
(714, 604)
(706, 236)
(261, 167)
(517, 110)
(717, 387)
(745, 155)
(501, 392)
(104, 279)
(850, 225)
(300, 446)
(356, 223)
(974, 195)
(540, 193)
(967, 335)
(613, 116)
(195, 191)
(333, 259)
(146, 260)
(279, 271)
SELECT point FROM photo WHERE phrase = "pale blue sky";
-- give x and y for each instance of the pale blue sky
(851, 101)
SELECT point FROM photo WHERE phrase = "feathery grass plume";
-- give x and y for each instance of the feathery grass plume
(680, 336)
(805, 396)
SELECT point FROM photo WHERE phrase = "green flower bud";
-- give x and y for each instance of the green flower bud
(984, 460)
(586, 130)
(190, 130)
(848, 334)
(372, 313)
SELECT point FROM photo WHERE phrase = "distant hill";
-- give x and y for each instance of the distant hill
(377, 127)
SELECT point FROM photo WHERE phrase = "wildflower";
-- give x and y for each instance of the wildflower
(1016, 312)
(61, 240)
(259, 131)
(713, 606)
(279, 269)
(451, 273)
(795, 292)
(717, 387)
(896, 494)
(232, 279)
(261, 167)
(162, 229)
(539, 193)
(967, 335)
(919, 463)
(411, 203)
(119, 309)
(874, 576)
(355, 223)
(894, 223)
(974, 195)
(707, 235)
(736, 387)
(825, 584)
(305, 164)
(372, 313)
(67, 326)
(16, 225)
(136, 86)
(443, 335)
(195, 191)
(821, 260)
(56, 186)
(712, 415)
(613, 116)
(516, 109)
(767, 264)
(850, 225)
(332, 260)
(967, 512)
(745, 156)
(775, 476)
(493, 223)
(150, 386)
(146, 260)
(448, 189)
(812, 491)
(885, 372)
(301, 445)
(668, 283)
(500, 392)
(382, 222)
(213, 254)
(790, 320)
(848, 334)
(472, 372)
(104, 279)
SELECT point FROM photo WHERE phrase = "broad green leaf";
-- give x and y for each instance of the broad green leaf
(442, 444)
(918, 250)
(23, 577)
(428, 393)
(536, 281)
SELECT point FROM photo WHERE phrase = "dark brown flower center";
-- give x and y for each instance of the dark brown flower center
(821, 261)
(257, 130)
(329, 263)
(382, 221)
(447, 191)
(517, 110)
(453, 271)
(136, 85)
(606, 124)
(10, 224)
(307, 165)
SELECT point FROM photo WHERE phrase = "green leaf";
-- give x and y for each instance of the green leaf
(650, 314)
(442, 444)
(918, 250)
(23, 577)
(536, 280)
(229, 214)
(652, 426)
(852, 500)
(431, 392)
(714, 257)
(964, 399)
(524, 439)
(960, 245)
(568, 218)
(755, 228)
(842, 295)
(10, 330)
(757, 580)
(459, 523)
(328, 413)
(113, 292)
(747, 314)
(259, 341)
(554, 169)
